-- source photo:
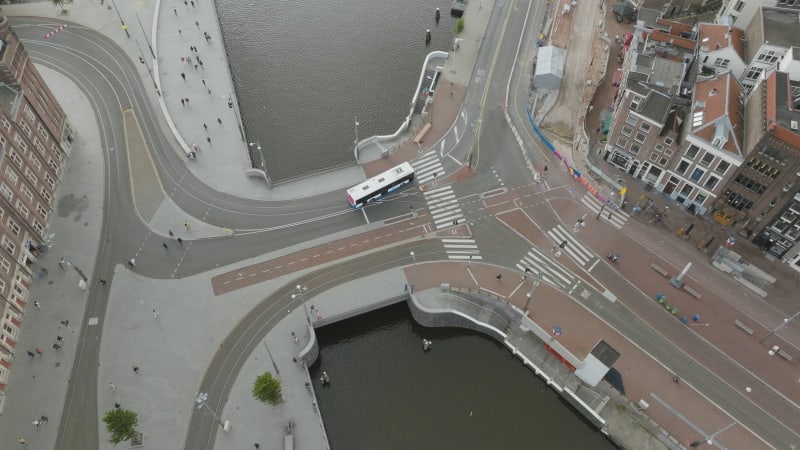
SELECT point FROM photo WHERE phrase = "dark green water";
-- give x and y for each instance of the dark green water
(468, 392)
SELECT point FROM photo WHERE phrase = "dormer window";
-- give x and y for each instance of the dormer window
(718, 142)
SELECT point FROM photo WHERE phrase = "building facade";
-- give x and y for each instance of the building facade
(720, 49)
(35, 141)
(740, 13)
(768, 38)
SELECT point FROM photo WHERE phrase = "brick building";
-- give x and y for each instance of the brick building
(35, 139)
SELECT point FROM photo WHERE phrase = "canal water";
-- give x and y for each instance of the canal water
(467, 392)
(303, 72)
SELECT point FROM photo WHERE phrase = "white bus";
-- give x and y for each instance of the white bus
(381, 185)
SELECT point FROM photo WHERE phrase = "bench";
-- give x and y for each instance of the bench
(692, 292)
(660, 270)
(785, 355)
(739, 324)
(422, 133)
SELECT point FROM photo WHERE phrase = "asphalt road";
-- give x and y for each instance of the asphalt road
(108, 79)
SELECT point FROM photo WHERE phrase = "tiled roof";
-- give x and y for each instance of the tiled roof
(718, 111)
(663, 36)
(714, 37)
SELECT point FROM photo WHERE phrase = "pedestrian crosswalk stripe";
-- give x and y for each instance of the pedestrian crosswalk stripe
(457, 246)
(465, 257)
(458, 241)
(573, 247)
(545, 265)
(446, 210)
(439, 189)
(613, 216)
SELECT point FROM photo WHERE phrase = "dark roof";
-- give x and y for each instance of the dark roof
(605, 353)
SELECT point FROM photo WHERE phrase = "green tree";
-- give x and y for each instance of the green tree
(458, 28)
(61, 4)
(267, 389)
(121, 423)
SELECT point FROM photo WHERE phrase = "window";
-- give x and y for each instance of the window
(653, 157)
(711, 182)
(700, 198)
(6, 192)
(631, 120)
(25, 128)
(663, 161)
(4, 265)
(659, 147)
(635, 149)
(686, 190)
(13, 227)
(30, 176)
(717, 142)
(622, 143)
(6, 124)
(52, 164)
(707, 159)
(8, 245)
(722, 62)
(46, 195)
(38, 227)
(29, 112)
(634, 104)
(739, 6)
(668, 141)
(42, 131)
(25, 191)
(626, 131)
(768, 57)
(697, 174)
(645, 127)
(722, 167)
(640, 137)
(23, 210)
(753, 73)
(667, 152)
(49, 180)
(11, 175)
(16, 158)
(682, 167)
(691, 152)
(41, 210)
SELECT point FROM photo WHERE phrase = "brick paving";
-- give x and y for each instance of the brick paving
(644, 378)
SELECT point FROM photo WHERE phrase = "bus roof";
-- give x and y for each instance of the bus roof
(384, 179)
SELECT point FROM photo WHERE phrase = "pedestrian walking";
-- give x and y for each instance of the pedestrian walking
(180, 32)
(205, 127)
(56, 346)
(30, 353)
(183, 75)
(132, 262)
(175, 10)
(65, 323)
(186, 225)
(102, 281)
(135, 369)
(180, 241)
(499, 276)
(200, 61)
(171, 234)
(43, 418)
(209, 140)
(192, 2)
(319, 316)
(209, 91)
(36, 423)
(37, 304)
(39, 351)
(116, 405)
(186, 2)
(230, 105)
(257, 446)
(59, 339)
(203, 80)
(112, 387)
(195, 67)
(22, 441)
(189, 60)
(155, 314)
(197, 23)
(219, 120)
(164, 244)
(183, 102)
(187, 100)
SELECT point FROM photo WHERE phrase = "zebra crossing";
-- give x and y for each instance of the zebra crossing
(427, 167)
(539, 262)
(444, 207)
(577, 251)
(612, 215)
(461, 248)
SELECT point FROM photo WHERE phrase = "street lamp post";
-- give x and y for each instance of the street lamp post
(201, 399)
(414, 279)
(529, 295)
(355, 143)
(122, 22)
(710, 439)
(149, 71)
(301, 289)
(786, 320)
(145, 36)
